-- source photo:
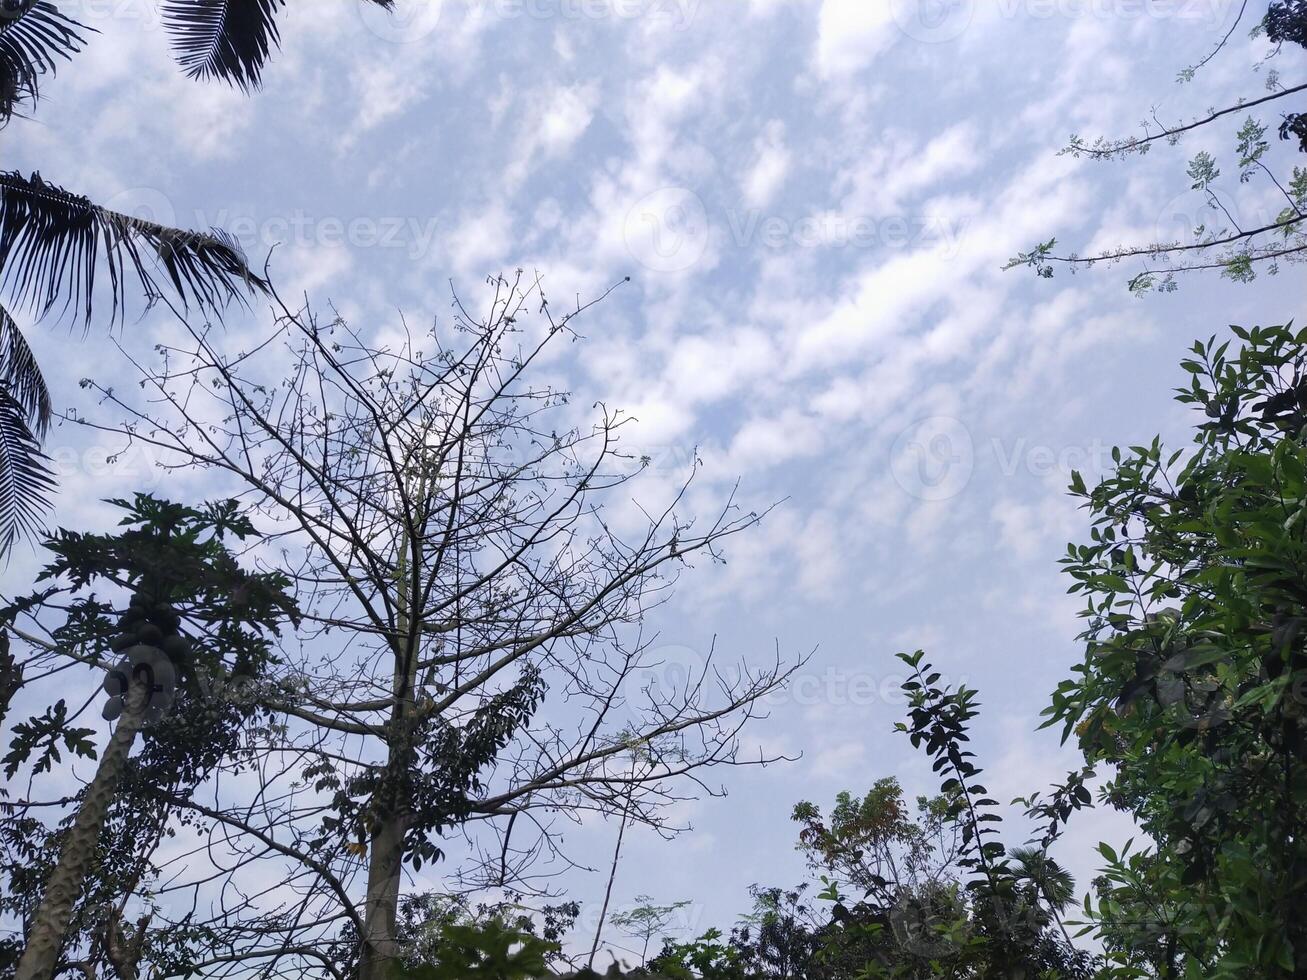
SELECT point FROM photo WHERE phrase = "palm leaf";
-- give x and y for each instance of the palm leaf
(226, 39)
(26, 480)
(229, 40)
(34, 38)
(21, 376)
(52, 242)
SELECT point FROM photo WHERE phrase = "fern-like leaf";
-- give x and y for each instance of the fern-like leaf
(224, 39)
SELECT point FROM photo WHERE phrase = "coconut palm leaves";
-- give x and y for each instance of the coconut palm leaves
(34, 38)
(53, 242)
(20, 376)
(1051, 882)
(25, 478)
(227, 39)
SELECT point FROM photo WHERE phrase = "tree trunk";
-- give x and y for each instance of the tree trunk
(122, 952)
(380, 946)
(612, 876)
(46, 937)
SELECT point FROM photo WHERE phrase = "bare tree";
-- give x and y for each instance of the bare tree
(473, 597)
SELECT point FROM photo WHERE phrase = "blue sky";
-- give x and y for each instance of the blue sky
(813, 200)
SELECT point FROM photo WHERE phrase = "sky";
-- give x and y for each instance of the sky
(813, 200)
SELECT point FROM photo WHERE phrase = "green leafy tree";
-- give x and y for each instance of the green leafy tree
(709, 957)
(424, 917)
(1004, 919)
(930, 893)
(489, 951)
(199, 618)
(647, 921)
(1193, 689)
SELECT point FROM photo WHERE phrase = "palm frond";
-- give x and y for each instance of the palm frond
(53, 241)
(34, 38)
(226, 39)
(229, 40)
(21, 376)
(26, 480)
(1054, 882)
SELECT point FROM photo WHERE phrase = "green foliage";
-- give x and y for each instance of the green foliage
(162, 553)
(647, 920)
(935, 894)
(500, 948)
(440, 773)
(46, 732)
(425, 920)
(1286, 21)
(1193, 689)
(1252, 146)
(708, 958)
(1002, 928)
(1203, 170)
(487, 951)
(868, 840)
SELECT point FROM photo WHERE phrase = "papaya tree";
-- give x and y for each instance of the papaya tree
(191, 618)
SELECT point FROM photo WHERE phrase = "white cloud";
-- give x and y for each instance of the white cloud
(549, 126)
(852, 33)
(770, 168)
(477, 245)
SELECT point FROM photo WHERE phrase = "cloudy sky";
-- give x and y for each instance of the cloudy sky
(813, 200)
